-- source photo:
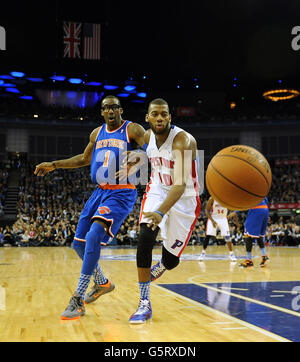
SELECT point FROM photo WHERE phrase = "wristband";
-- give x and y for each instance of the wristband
(160, 213)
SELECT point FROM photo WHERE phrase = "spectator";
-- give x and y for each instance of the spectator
(132, 235)
(121, 236)
(24, 239)
(8, 237)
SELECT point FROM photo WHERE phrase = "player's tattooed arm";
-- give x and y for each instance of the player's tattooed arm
(81, 160)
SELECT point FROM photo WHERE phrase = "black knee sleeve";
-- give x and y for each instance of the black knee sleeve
(145, 245)
(260, 242)
(169, 260)
(206, 241)
(248, 243)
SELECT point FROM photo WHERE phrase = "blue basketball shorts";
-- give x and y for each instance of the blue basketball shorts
(256, 222)
(110, 205)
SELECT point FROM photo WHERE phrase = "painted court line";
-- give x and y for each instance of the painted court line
(224, 315)
(230, 328)
(244, 289)
(223, 323)
(280, 309)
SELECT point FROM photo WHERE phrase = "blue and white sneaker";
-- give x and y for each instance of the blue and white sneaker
(143, 312)
(157, 270)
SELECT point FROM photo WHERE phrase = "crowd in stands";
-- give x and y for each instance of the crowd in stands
(3, 184)
(285, 184)
(49, 208)
(206, 111)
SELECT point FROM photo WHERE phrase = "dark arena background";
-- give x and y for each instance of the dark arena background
(230, 73)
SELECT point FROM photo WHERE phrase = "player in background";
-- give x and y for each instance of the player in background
(109, 204)
(171, 203)
(217, 218)
(255, 228)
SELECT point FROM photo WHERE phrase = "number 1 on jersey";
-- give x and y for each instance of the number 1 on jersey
(107, 153)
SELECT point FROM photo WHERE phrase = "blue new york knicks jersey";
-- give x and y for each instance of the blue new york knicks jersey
(108, 153)
(257, 220)
(264, 202)
(110, 202)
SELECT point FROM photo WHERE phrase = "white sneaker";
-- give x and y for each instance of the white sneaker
(232, 257)
(202, 256)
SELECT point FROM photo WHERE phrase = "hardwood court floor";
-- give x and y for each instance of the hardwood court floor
(214, 300)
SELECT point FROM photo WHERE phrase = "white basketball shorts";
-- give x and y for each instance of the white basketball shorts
(177, 225)
(222, 225)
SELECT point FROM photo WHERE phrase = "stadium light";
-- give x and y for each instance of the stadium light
(12, 90)
(7, 85)
(110, 87)
(26, 97)
(142, 94)
(60, 78)
(35, 80)
(124, 95)
(93, 83)
(129, 88)
(281, 94)
(75, 80)
(17, 74)
(5, 76)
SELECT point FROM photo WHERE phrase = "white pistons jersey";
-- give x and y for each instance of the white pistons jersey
(218, 211)
(178, 223)
(219, 214)
(162, 166)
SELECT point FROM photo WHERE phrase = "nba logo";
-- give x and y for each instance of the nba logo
(177, 244)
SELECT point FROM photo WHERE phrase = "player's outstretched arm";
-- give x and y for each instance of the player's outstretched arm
(84, 159)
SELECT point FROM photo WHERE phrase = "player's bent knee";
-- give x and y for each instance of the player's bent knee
(169, 260)
(103, 223)
(145, 245)
(94, 237)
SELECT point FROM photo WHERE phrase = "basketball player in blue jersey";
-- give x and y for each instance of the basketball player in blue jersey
(108, 205)
(255, 228)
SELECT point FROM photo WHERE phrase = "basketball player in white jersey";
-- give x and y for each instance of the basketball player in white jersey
(171, 203)
(217, 218)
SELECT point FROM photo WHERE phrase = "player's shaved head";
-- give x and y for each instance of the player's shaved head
(111, 97)
(158, 102)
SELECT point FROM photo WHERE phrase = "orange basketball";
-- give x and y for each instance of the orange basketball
(238, 177)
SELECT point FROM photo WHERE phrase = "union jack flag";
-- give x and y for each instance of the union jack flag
(72, 39)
